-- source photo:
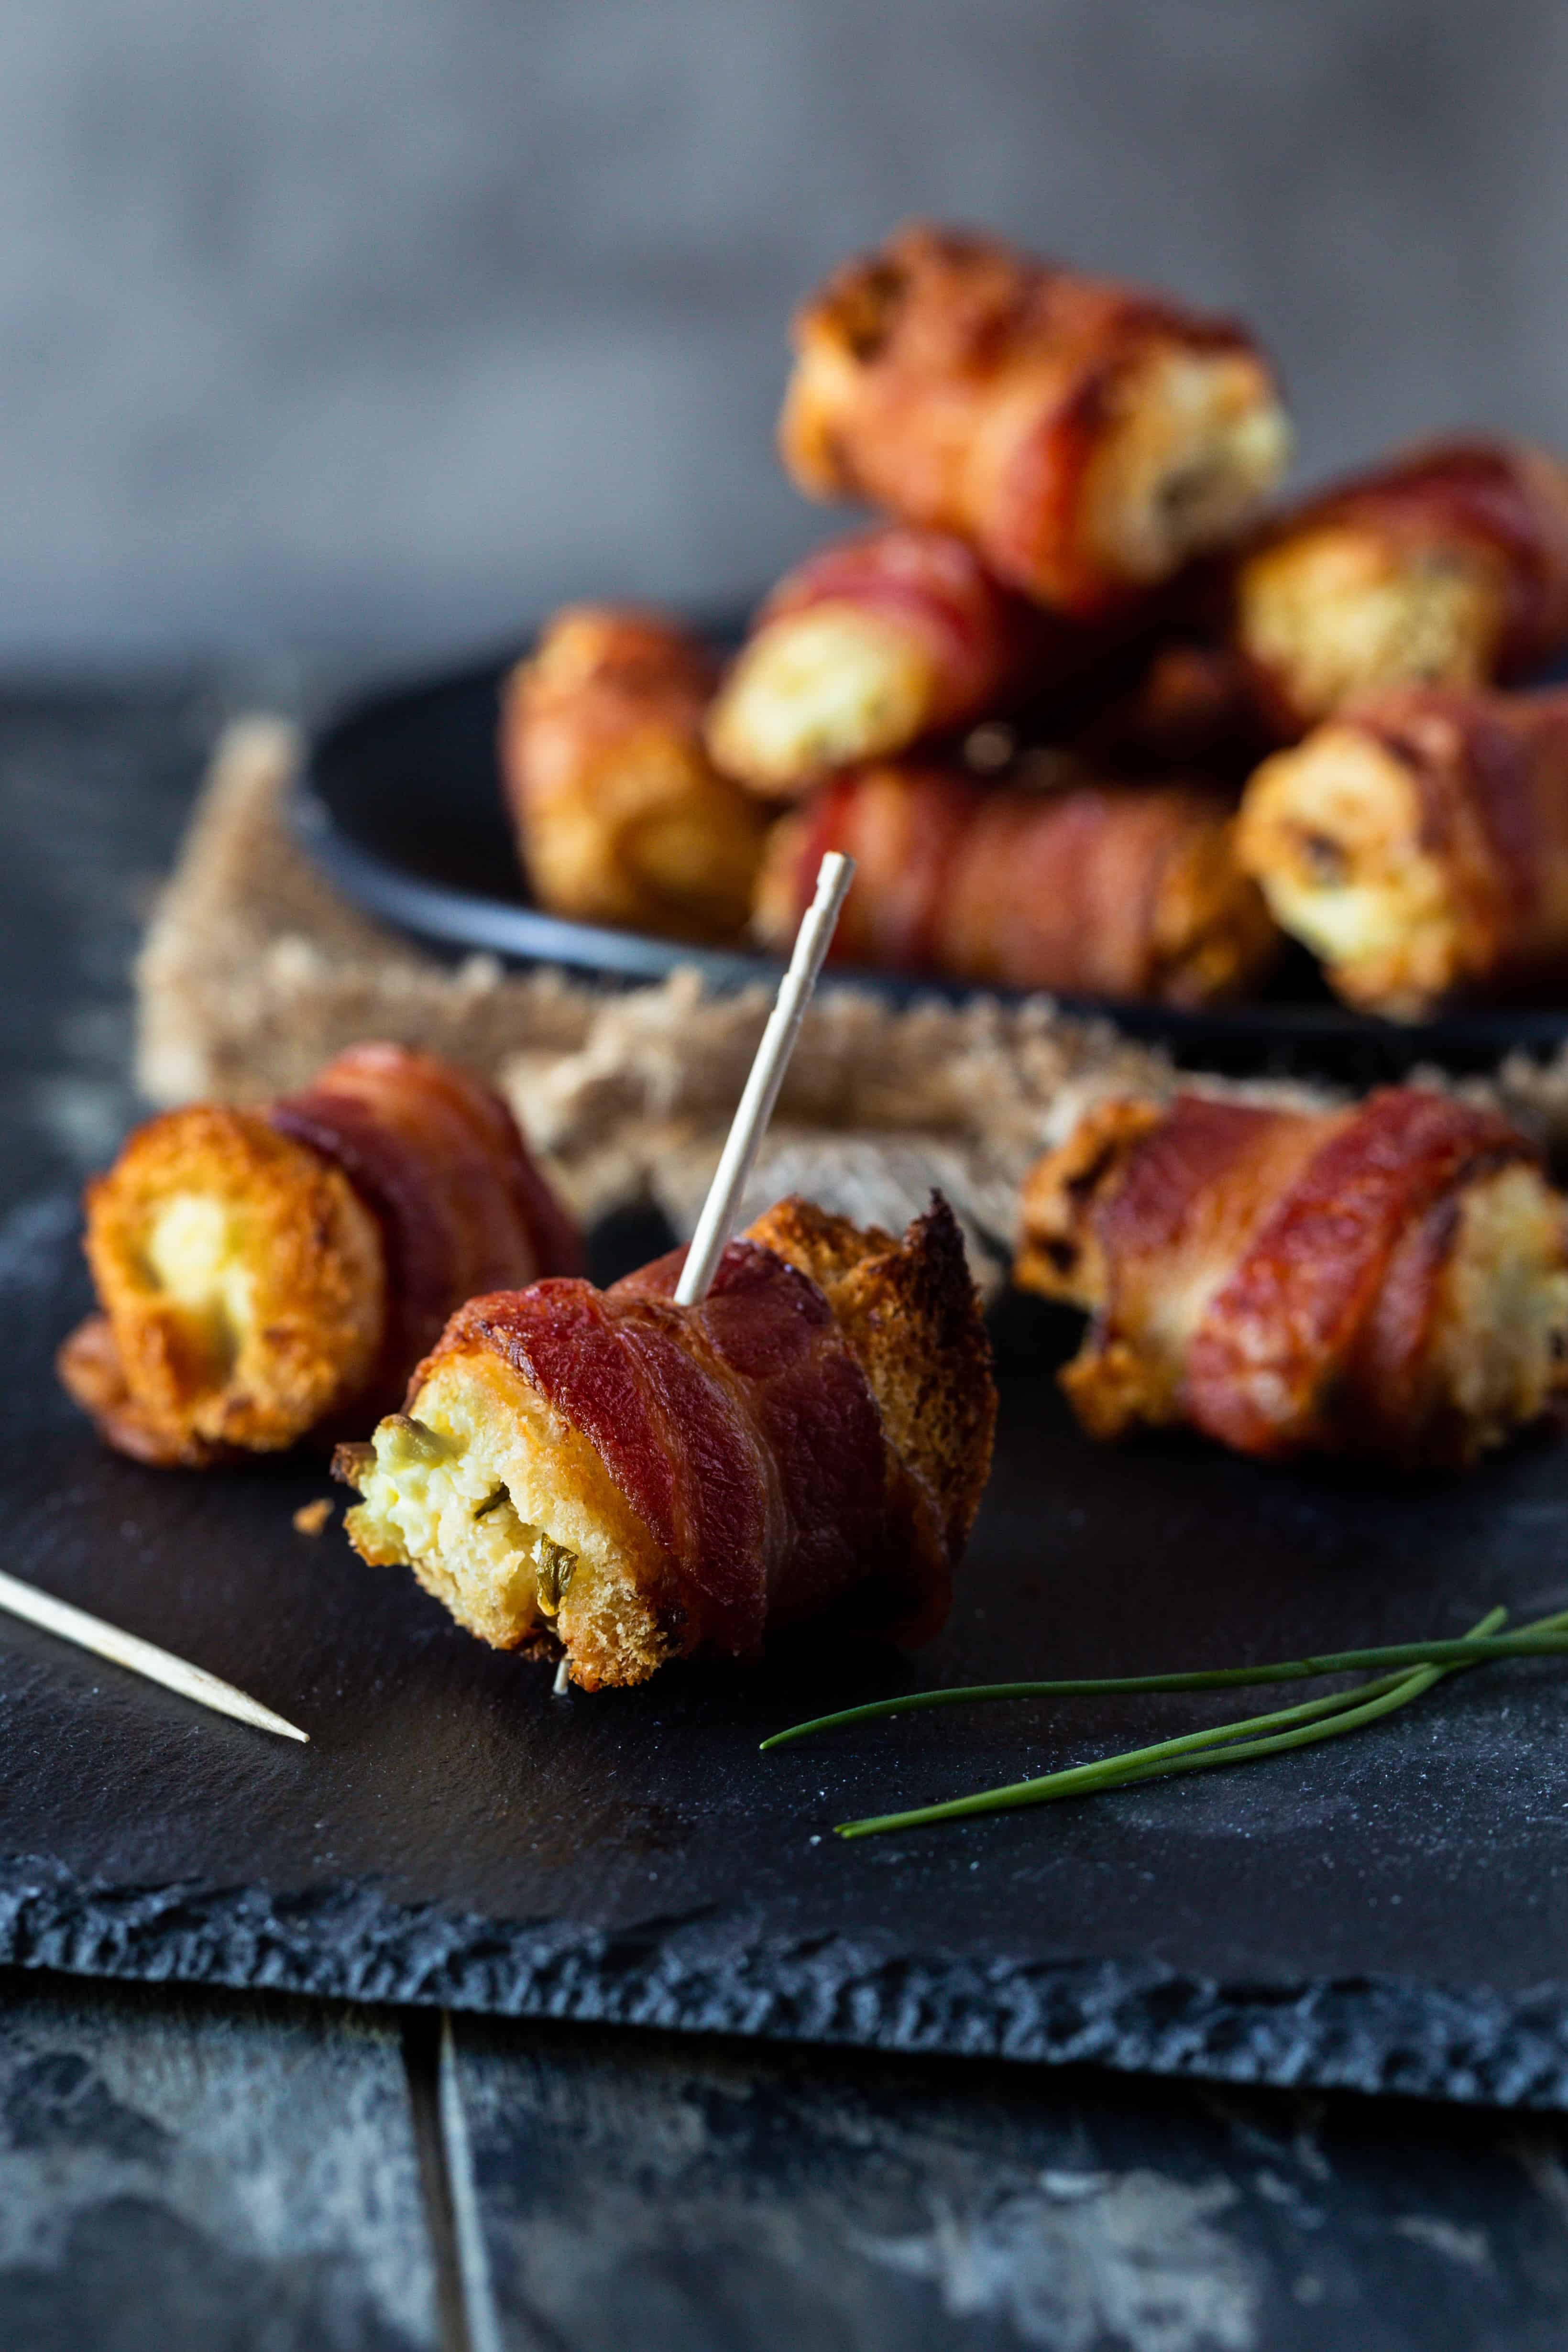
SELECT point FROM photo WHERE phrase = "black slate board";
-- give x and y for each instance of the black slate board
(1387, 1913)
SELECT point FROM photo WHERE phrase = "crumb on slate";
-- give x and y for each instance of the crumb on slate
(311, 1517)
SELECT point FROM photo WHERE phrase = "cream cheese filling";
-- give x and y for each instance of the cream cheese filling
(504, 1512)
(1338, 610)
(1504, 1323)
(193, 1257)
(820, 690)
(1198, 441)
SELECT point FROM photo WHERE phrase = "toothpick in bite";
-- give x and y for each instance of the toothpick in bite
(720, 1210)
(139, 1658)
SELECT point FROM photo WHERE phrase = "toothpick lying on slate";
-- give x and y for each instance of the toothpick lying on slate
(720, 1210)
(756, 1108)
(141, 1657)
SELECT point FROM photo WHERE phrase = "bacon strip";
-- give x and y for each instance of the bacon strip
(950, 645)
(1086, 438)
(619, 1480)
(742, 1432)
(265, 1273)
(1387, 1280)
(438, 1158)
(985, 640)
(1094, 891)
(850, 1517)
(1275, 1365)
(1460, 549)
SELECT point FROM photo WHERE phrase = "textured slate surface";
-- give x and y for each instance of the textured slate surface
(174, 2172)
(1386, 1914)
(675, 2198)
(92, 787)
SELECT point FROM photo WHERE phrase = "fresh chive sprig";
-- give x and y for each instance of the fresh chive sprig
(1547, 1638)
(1411, 1669)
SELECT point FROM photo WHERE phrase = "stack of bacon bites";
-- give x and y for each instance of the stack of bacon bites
(1088, 717)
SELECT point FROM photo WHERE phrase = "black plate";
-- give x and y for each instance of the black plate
(401, 805)
(1388, 1912)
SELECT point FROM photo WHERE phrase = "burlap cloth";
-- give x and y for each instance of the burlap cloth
(254, 971)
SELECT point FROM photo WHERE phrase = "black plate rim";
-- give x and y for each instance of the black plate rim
(452, 920)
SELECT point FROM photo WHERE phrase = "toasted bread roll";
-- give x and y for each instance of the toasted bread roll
(242, 1288)
(611, 1478)
(1086, 437)
(1390, 1280)
(872, 644)
(621, 816)
(263, 1273)
(1418, 843)
(1445, 566)
(1097, 890)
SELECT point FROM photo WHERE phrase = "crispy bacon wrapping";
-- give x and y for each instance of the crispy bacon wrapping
(263, 1273)
(1447, 565)
(610, 1477)
(1387, 1280)
(621, 816)
(1095, 890)
(1086, 437)
(1188, 704)
(1418, 843)
(872, 644)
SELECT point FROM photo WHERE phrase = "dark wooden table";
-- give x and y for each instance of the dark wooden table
(236, 2172)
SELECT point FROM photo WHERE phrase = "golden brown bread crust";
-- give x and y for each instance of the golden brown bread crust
(1388, 1280)
(242, 1283)
(1446, 565)
(621, 816)
(263, 1272)
(89, 1368)
(1085, 436)
(1059, 1255)
(910, 1314)
(484, 1429)
(1418, 843)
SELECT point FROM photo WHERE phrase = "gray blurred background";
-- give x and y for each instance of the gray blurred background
(374, 327)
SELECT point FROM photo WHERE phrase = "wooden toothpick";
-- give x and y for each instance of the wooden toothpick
(720, 1210)
(141, 1657)
(717, 1222)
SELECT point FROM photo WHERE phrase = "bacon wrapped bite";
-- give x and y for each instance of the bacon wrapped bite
(1086, 438)
(1418, 843)
(1448, 565)
(873, 643)
(1094, 891)
(621, 816)
(611, 1478)
(264, 1273)
(1389, 1280)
